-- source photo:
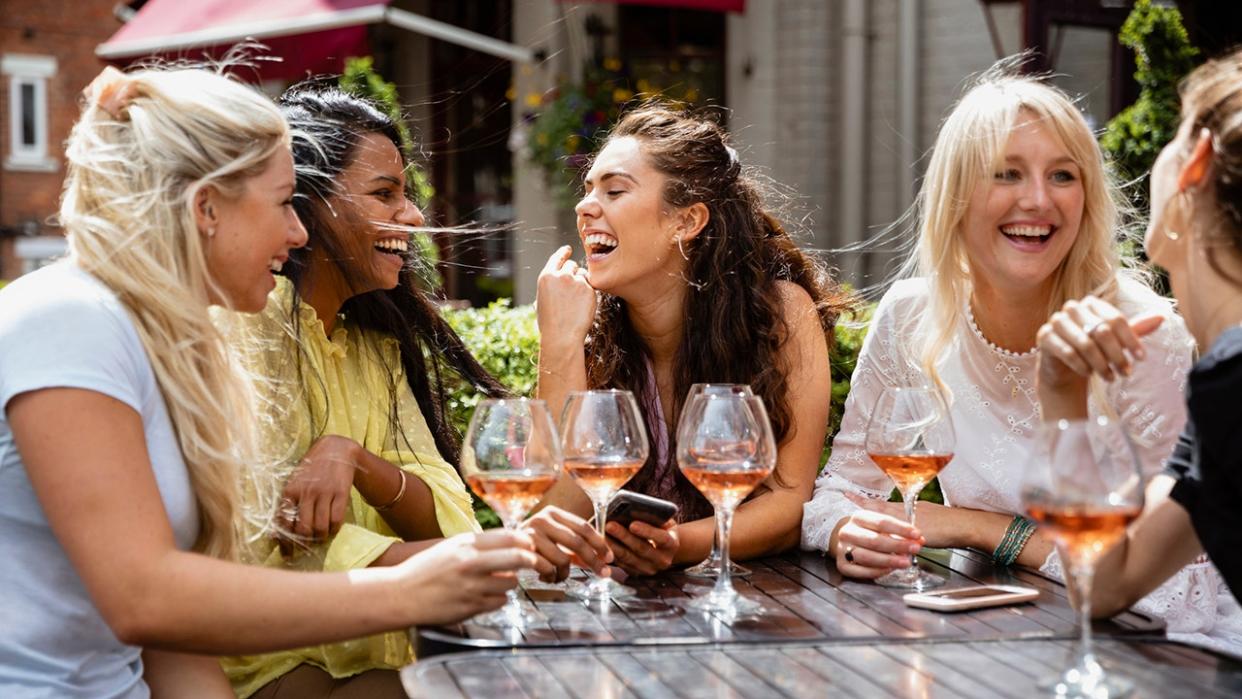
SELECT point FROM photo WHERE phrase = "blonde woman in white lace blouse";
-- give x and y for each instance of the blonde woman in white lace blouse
(1017, 215)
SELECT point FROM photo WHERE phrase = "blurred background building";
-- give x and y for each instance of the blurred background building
(837, 99)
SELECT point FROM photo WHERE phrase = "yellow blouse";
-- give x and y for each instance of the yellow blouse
(343, 389)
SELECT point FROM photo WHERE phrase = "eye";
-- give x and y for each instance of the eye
(614, 193)
(1063, 177)
(382, 194)
(1010, 175)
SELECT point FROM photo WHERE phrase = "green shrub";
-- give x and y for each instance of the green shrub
(1163, 56)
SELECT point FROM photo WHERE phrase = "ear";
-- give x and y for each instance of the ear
(1194, 170)
(692, 220)
(206, 213)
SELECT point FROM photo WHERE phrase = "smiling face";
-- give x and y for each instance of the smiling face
(623, 223)
(373, 215)
(1020, 225)
(252, 235)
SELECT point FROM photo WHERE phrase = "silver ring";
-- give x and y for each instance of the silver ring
(849, 554)
(1090, 330)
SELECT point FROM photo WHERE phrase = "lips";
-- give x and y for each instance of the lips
(1029, 236)
(598, 244)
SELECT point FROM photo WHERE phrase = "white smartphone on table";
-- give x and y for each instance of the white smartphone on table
(965, 598)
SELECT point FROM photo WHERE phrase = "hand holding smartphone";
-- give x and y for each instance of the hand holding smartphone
(627, 506)
(965, 598)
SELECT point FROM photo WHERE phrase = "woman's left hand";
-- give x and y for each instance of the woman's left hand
(941, 526)
(643, 549)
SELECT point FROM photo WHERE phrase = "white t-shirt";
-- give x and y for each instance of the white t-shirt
(61, 327)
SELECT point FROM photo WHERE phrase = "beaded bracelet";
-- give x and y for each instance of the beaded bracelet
(1016, 535)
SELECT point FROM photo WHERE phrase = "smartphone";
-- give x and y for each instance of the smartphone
(964, 598)
(627, 506)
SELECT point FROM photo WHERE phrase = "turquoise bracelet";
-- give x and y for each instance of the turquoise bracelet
(1011, 544)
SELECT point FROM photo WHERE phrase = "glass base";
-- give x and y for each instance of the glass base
(912, 578)
(511, 616)
(1087, 681)
(710, 568)
(730, 605)
(599, 590)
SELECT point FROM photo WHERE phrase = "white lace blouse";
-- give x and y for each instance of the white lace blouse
(995, 412)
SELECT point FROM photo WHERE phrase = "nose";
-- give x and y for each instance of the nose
(587, 207)
(296, 233)
(410, 215)
(1035, 196)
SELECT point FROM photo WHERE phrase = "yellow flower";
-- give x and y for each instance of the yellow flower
(510, 93)
(571, 142)
(621, 94)
(541, 139)
(692, 95)
(613, 64)
(534, 99)
(644, 86)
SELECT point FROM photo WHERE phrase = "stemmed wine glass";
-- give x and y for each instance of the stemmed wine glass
(725, 448)
(511, 456)
(605, 444)
(1083, 485)
(710, 566)
(910, 438)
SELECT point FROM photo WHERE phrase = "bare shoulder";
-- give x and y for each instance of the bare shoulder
(796, 304)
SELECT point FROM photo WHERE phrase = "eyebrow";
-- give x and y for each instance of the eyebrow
(609, 175)
(1058, 161)
(386, 178)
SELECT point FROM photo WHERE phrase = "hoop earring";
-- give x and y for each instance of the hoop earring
(211, 232)
(682, 250)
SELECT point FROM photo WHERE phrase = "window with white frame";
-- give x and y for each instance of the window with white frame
(28, 112)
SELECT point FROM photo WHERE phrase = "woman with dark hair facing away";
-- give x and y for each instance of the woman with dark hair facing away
(1195, 234)
(354, 358)
(688, 279)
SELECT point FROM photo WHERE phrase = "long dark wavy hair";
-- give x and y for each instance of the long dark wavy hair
(327, 126)
(732, 325)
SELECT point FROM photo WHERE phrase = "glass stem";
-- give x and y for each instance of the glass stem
(601, 514)
(909, 500)
(1084, 575)
(724, 523)
(513, 606)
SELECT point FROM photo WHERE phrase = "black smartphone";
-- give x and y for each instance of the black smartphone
(629, 507)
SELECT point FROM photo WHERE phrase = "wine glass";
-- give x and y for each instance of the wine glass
(605, 444)
(1083, 485)
(910, 438)
(725, 448)
(710, 567)
(511, 456)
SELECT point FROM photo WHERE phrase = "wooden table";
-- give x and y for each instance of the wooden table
(807, 600)
(945, 668)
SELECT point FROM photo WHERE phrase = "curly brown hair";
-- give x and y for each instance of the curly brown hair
(732, 325)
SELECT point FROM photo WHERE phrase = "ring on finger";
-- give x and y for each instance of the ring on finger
(1090, 329)
(849, 554)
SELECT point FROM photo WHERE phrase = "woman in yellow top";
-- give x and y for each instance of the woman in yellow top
(353, 358)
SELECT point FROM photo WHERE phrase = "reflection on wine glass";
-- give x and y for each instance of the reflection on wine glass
(1083, 485)
(710, 566)
(605, 444)
(725, 448)
(510, 457)
(910, 438)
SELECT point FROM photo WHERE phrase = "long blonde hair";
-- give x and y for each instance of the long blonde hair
(135, 166)
(968, 149)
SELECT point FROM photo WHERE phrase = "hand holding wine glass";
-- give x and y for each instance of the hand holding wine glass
(1083, 486)
(910, 438)
(510, 458)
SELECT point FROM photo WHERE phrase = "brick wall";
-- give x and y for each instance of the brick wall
(69, 31)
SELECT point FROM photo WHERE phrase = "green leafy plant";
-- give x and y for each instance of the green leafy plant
(361, 79)
(1163, 56)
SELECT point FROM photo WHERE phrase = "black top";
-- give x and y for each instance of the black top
(1207, 460)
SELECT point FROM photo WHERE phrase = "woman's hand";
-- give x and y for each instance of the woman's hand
(464, 575)
(643, 549)
(1090, 337)
(560, 538)
(565, 300)
(317, 494)
(869, 544)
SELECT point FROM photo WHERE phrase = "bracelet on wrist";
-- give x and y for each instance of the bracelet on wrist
(396, 498)
(1017, 534)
